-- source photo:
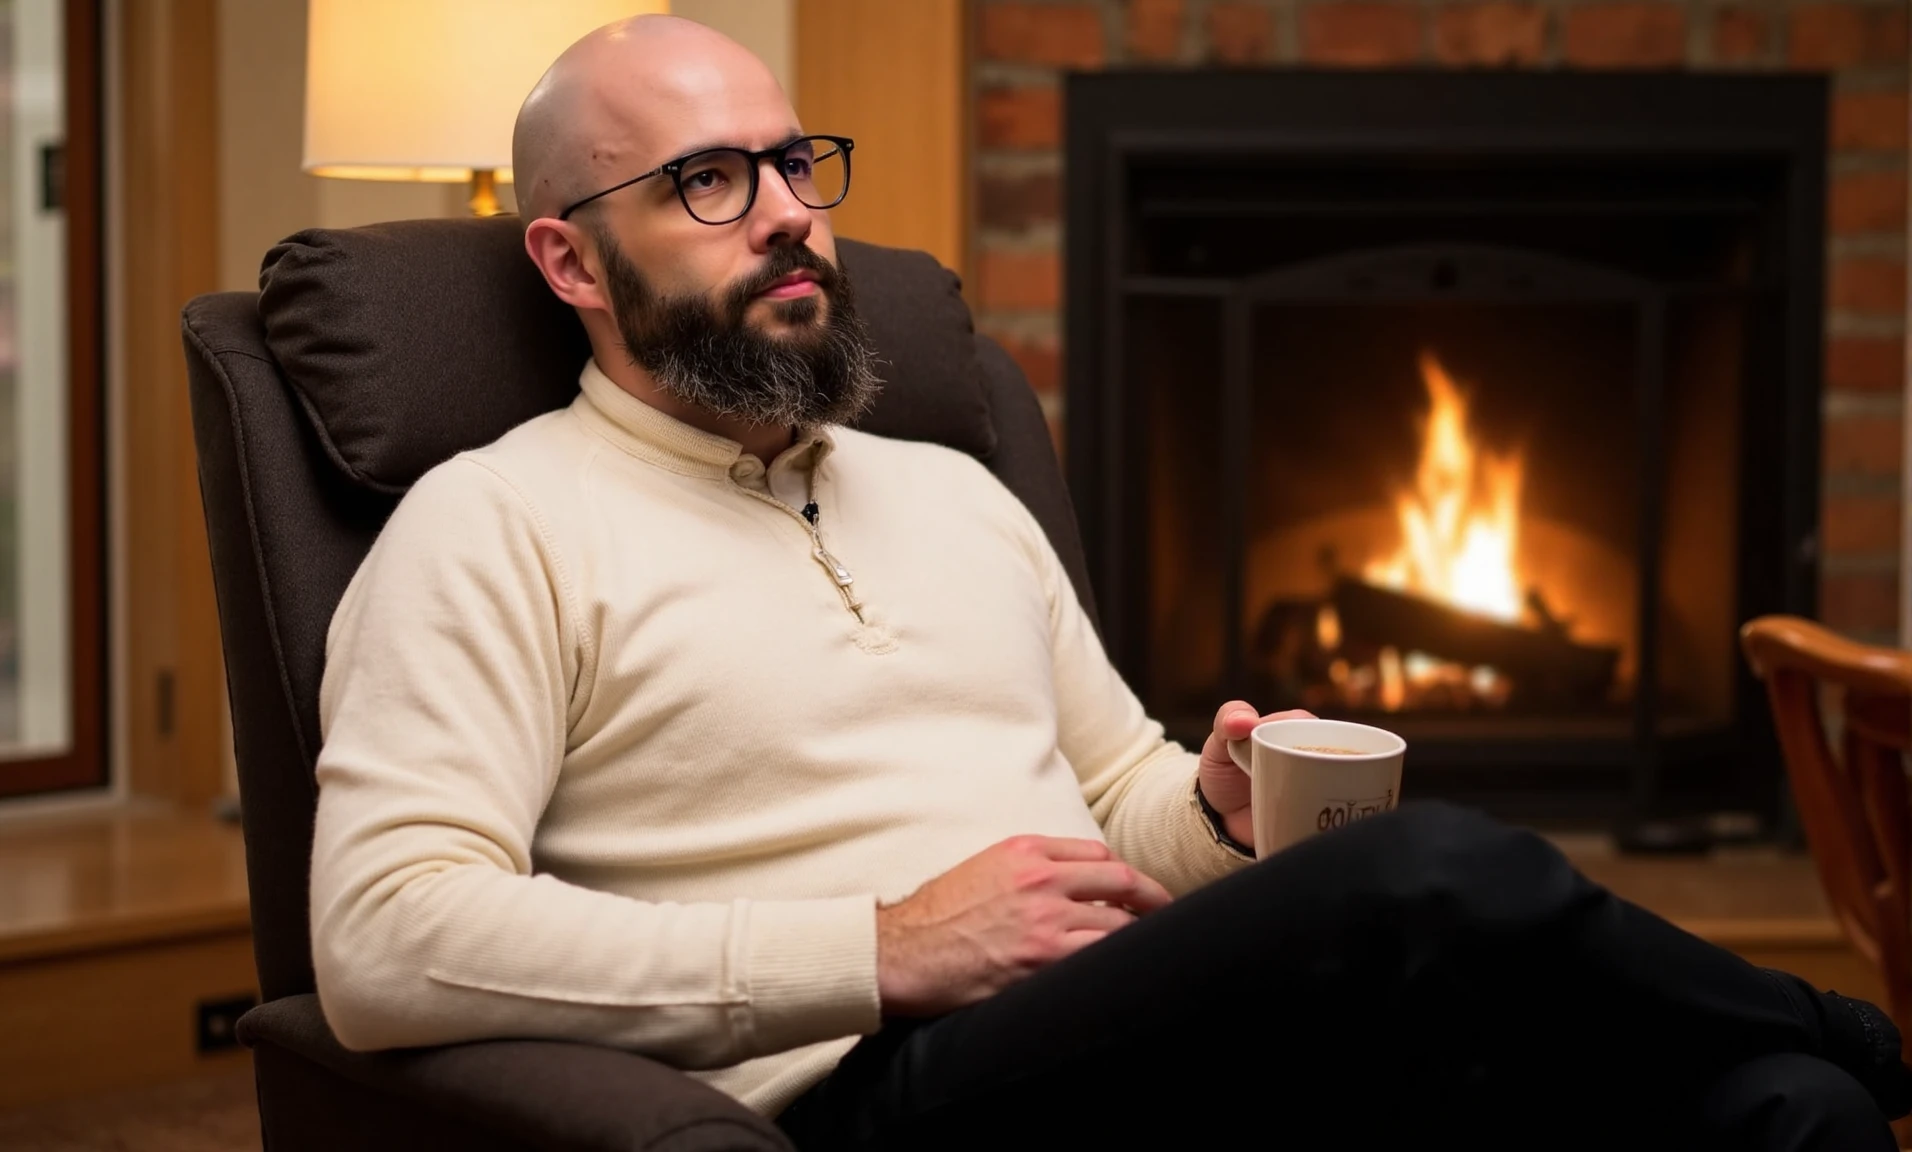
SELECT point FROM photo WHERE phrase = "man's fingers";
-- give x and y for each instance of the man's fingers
(1076, 941)
(1236, 719)
(1069, 848)
(1113, 882)
(1100, 918)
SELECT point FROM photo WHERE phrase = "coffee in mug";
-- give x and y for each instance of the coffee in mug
(1310, 776)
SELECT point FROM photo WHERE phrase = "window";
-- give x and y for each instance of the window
(52, 667)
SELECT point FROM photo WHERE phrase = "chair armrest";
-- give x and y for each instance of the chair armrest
(554, 1095)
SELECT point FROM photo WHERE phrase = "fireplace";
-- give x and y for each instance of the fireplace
(1484, 406)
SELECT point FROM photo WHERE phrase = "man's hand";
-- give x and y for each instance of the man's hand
(1223, 785)
(1000, 915)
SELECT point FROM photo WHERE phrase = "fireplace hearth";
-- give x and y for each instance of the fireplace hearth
(1482, 406)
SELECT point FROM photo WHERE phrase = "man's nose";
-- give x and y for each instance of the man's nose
(777, 216)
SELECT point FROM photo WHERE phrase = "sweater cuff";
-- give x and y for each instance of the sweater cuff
(1218, 827)
(809, 970)
(1169, 837)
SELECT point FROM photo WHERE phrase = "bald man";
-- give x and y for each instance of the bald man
(688, 720)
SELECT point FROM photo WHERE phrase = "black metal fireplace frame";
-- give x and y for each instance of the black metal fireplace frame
(1118, 120)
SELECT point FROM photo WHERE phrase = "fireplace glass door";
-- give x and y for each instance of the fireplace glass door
(1481, 497)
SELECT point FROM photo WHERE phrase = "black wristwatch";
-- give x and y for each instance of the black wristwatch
(1219, 827)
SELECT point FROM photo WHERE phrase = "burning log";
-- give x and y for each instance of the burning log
(1431, 626)
(1538, 663)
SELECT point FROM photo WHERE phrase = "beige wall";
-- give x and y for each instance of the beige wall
(262, 194)
(264, 197)
(766, 27)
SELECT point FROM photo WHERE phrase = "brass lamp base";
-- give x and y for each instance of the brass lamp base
(483, 198)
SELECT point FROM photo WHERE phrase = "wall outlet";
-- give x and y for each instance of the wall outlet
(219, 1020)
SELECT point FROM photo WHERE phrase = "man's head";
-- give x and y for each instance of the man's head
(748, 318)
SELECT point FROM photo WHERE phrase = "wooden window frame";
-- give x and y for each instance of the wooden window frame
(84, 765)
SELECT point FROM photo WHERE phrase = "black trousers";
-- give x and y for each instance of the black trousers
(1425, 975)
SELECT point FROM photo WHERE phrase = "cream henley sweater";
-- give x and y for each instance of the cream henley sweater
(610, 754)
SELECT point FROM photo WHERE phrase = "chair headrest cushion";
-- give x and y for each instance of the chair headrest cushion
(412, 341)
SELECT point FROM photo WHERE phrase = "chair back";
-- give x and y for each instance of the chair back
(1843, 711)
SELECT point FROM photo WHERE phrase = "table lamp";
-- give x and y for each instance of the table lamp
(428, 89)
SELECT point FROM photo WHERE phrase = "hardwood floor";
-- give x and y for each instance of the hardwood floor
(1728, 892)
(209, 1112)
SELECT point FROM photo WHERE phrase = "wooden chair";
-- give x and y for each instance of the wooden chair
(1852, 804)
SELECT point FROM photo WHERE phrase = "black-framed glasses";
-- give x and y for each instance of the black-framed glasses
(718, 185)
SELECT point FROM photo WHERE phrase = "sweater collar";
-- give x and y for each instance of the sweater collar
(649, 434)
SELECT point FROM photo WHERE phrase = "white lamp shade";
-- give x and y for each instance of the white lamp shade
(429, 89)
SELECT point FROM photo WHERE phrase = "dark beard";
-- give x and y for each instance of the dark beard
(702, 351)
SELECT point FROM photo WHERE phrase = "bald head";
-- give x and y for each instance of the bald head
(630, 96)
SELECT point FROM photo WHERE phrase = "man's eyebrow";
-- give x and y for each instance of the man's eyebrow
(790, 136)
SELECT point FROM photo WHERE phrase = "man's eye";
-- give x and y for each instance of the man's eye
(797, 166)
(703, 180)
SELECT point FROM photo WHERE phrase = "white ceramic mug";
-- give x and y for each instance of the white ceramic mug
(1298, 792)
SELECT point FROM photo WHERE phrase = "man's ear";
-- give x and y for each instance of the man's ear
(559, 249)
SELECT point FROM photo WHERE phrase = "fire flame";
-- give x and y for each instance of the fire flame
(1460, 523)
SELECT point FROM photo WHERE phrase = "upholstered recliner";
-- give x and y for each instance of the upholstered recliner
(369, 356)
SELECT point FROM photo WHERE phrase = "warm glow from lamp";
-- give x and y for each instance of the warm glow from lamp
(428, 89)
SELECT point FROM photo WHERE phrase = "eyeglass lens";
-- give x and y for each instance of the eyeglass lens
(716, 184)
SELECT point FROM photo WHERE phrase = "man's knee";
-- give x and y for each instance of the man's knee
(1441, 825)
(1793, 1102)
(1446, 844)
(1452, 861)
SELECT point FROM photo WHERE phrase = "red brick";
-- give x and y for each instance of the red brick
(1020, 281)
(1843, 35)
(1018, 201)
(1740, 35)
(1826, 35)
(1058, 35)
(1868, 202)
(1496, 32)
(1360, 32)
(1868, 524)
(1024, 118)
(1892, 36)
(1865, 363)
(1859, 601)
(1864, 445)
(1868, 284)
(1040, 361)
(1155, 29)
(1870, 121)
(1241, 33)
(1629, 34)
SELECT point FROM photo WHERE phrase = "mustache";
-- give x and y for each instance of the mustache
(781, 262)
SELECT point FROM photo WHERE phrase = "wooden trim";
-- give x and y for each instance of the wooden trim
(894, 76)
(107, 1021)
(127, 932)
(170, 163)
(84, 764)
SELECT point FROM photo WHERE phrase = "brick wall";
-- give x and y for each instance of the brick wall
(1024, 46)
